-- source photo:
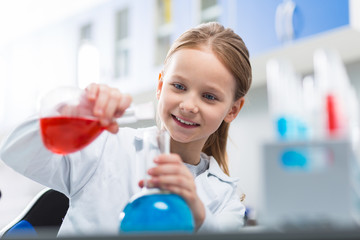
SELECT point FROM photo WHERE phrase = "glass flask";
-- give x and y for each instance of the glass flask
(67, 122)
(154, 210)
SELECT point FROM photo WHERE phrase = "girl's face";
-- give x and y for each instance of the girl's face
(195, 95)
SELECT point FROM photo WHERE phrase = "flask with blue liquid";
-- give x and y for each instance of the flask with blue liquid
(154, 210)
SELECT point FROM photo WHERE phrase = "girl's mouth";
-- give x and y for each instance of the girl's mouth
(184, 123)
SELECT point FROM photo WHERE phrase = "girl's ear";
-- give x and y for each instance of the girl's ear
(160, 84)
(234, 110)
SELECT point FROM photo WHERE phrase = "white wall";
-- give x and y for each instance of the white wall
(35, 64)
(47, 58)
(247, 133)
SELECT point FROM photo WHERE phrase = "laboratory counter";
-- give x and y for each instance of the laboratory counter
(251, 234)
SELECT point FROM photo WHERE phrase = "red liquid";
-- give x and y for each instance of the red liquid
(332, 114)
(63, 135)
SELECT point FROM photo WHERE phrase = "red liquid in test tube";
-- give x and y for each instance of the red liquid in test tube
(332, 115)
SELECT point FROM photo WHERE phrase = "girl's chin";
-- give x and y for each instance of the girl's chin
(179, 137)
(185, 139)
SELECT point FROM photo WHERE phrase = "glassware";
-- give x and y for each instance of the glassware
(67, 123)
(154, 210)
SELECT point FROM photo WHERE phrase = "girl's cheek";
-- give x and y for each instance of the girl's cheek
(161, 113)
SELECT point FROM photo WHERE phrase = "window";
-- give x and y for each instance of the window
(209, 11)
(122, 45)
(164, 30)
(88, 65)
(85, 32)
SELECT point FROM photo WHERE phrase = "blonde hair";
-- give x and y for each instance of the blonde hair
(232, 52)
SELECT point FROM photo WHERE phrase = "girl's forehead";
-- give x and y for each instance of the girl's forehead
(197, 60)
(199, 48)
(197, 66)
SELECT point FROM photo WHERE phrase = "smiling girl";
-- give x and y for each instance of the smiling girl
(200, 92)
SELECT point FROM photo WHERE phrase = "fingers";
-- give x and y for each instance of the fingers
(170, 169)
(113, 127)
(109, 102)
(188, 195)
(176, 184)
(141, 183)
(91, 91)
(168, 158)
(171, 174)
(123, 105)
(170, 164)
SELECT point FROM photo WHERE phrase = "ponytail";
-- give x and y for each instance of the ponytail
(215, 146)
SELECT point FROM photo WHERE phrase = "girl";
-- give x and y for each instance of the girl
(200, 91)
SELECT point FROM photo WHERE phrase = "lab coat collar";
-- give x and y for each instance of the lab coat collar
(215, 170)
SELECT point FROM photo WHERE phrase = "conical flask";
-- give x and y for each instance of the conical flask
(155, 210)
(67, 120)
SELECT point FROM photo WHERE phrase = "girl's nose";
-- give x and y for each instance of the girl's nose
(189, 105)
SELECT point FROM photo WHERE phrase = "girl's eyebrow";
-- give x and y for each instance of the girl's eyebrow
(177, 76)
(216, 90)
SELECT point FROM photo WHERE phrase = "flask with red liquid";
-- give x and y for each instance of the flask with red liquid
(67, 123)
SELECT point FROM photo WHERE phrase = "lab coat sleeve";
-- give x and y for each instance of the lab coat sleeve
(229, 219)
(24, 151)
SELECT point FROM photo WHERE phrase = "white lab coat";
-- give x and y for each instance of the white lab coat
(100, 179)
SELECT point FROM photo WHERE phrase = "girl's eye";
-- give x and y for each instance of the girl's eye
(209, 97)
(179, 86)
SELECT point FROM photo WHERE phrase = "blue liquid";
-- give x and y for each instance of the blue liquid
(291, 128)
(157, 213)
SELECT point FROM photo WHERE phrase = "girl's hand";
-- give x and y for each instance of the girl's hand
(109, 104)
(172, 175)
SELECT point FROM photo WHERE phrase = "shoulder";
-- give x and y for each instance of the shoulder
(214, 187)
(218, 193)
(216, 172)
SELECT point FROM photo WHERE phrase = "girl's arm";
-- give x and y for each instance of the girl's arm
(24, 151)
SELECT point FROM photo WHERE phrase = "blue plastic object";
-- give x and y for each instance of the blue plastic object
(21, 229)
(157, 213)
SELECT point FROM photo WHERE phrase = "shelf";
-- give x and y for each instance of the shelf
(300, 53)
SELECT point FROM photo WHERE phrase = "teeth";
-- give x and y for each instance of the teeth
(185, 122)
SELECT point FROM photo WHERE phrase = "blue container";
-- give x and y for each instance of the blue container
(157, 213)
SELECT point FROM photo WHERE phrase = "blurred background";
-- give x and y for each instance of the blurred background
(122, 43)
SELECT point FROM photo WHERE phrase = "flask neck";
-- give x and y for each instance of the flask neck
(148, 191)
